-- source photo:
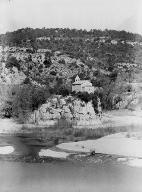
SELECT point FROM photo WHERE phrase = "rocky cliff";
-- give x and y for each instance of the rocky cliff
(132, 100)
(69, 109)
(11, 76)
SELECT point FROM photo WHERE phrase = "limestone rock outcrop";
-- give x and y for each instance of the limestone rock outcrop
(70, 109)
(67, 107)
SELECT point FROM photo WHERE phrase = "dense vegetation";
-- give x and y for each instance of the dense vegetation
(77, 43)
(22, 35)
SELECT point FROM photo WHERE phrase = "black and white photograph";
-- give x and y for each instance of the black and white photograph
(70, 96)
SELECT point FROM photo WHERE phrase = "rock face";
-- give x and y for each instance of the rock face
(67, 108)
(11, 76)
(70, 109)
(132, 100)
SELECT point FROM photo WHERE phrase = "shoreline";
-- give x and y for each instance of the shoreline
(120, 118)
(119, 144)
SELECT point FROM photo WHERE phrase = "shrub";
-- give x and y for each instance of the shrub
(62, 61)
(53, 73)
(6, 110)
(12, 62)
(28, 99)
(84, 96)
(63, 91)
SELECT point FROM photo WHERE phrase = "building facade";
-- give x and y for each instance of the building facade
(82, 86)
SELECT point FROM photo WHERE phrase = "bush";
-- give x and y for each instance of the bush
(63, 91)
(12, 62)
(6, 110)
(84, 96)
(62, 61)
(28, 99)
(53, 73)
(7, 93)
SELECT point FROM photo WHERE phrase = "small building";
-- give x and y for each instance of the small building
(114, 42)
(82, 86)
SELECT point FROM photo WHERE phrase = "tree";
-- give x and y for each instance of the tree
(12, 62)
(47, 62)
(27, 100)
(110, 61)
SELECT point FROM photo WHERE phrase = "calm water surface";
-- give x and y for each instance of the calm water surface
(63, 176)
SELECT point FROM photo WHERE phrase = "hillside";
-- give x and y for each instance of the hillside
(94, 47)
(50, 59)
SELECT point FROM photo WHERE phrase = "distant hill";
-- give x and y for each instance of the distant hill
(91, 47)
(21, 35)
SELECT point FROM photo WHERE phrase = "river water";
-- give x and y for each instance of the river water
(20, 172)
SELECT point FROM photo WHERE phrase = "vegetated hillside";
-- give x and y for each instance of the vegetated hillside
(94, 47)
(51, 58)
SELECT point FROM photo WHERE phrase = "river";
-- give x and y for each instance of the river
(19, 173)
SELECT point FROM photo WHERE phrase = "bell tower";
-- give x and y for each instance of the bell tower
(77, 78)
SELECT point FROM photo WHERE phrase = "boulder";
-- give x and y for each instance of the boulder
(44, 107)
(62, 102)
(55, 114)
(66, 109)
(45, 116)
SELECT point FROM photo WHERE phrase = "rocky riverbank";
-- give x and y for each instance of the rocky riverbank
(114, 119)
(69, 109)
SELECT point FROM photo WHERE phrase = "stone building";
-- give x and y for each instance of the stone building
(82, 85)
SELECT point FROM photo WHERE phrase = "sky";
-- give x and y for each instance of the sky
(79, 14)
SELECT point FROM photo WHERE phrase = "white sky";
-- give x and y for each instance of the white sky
(85, 14)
